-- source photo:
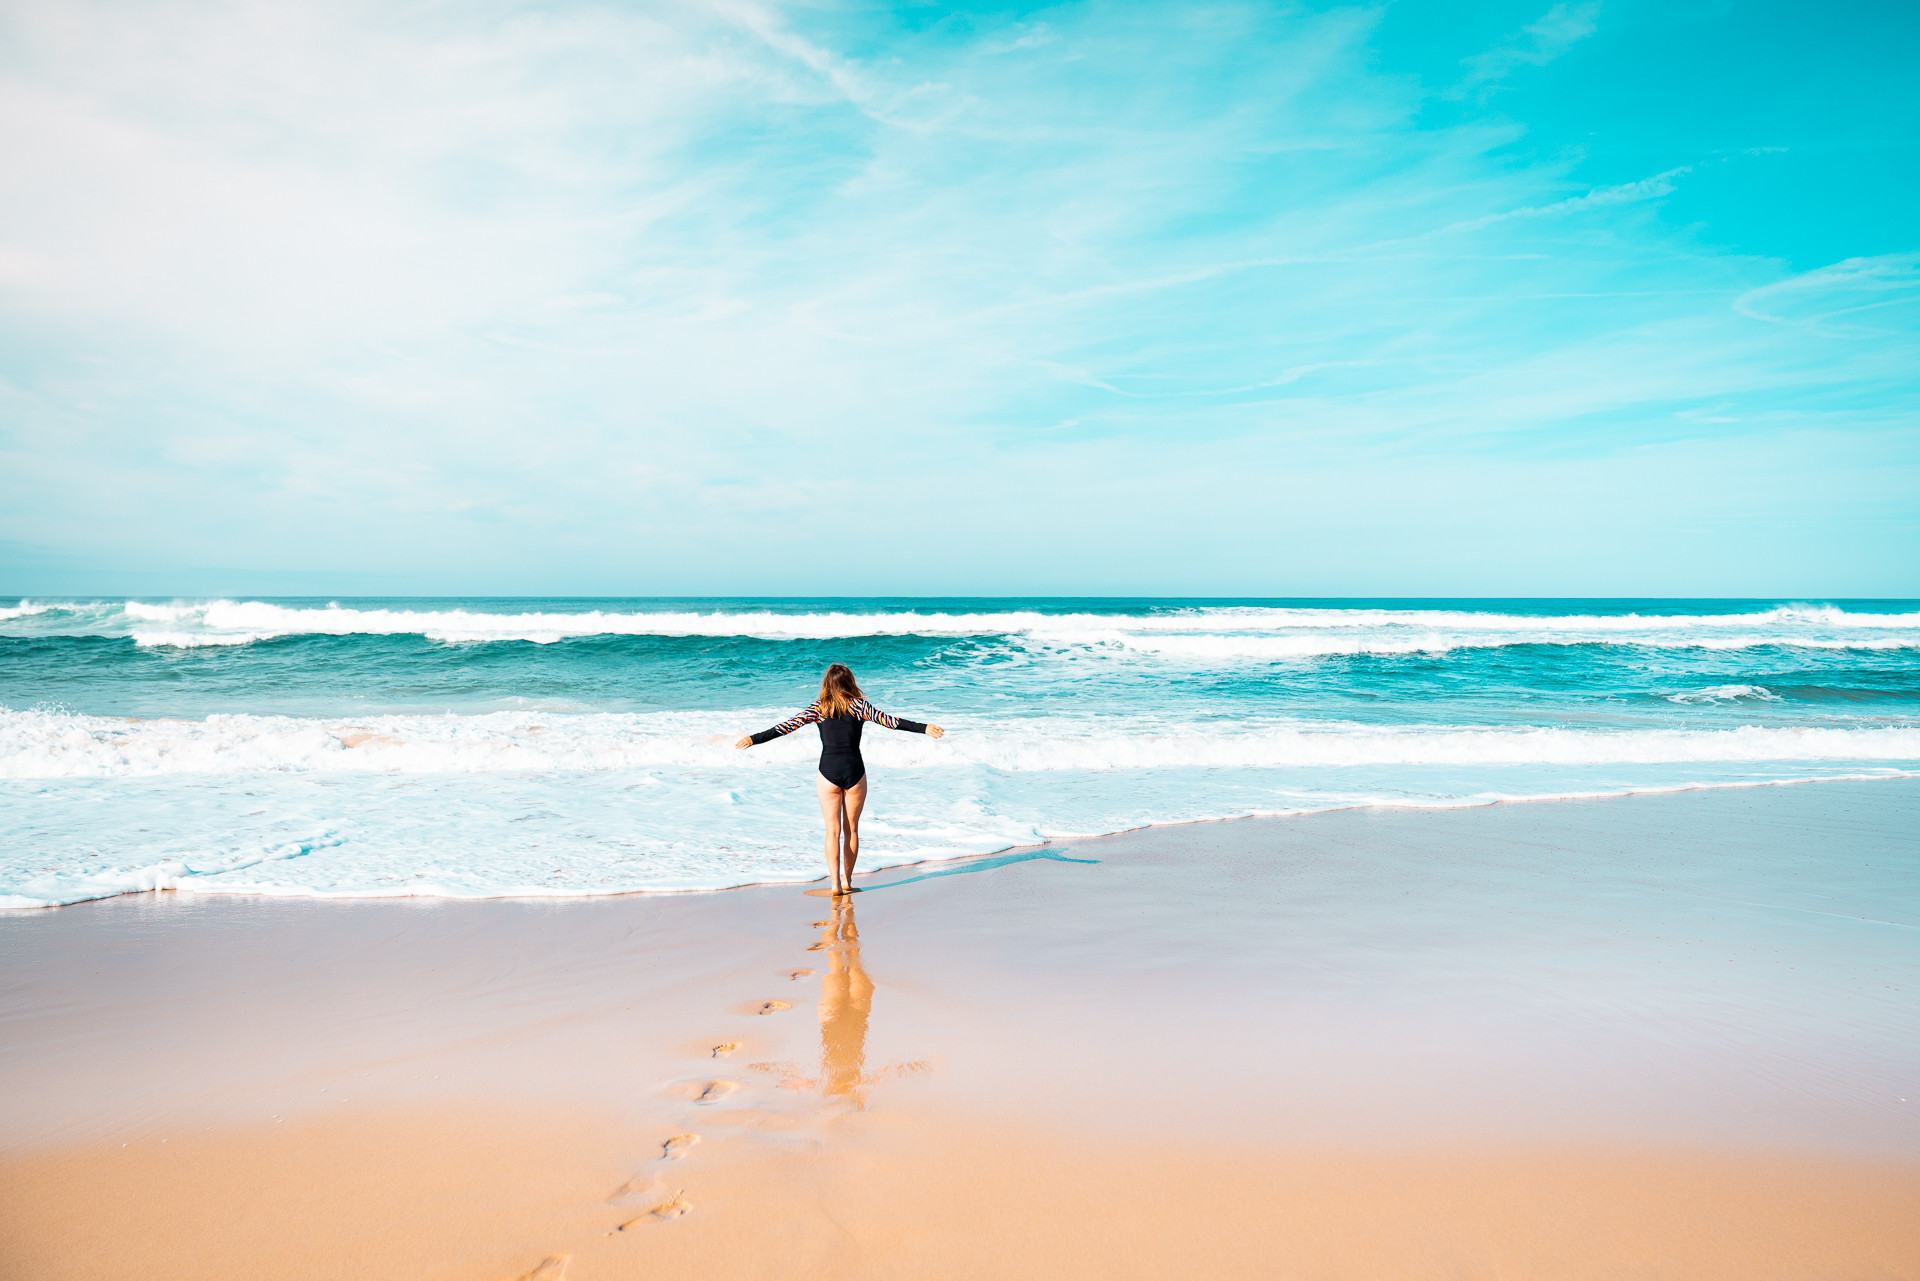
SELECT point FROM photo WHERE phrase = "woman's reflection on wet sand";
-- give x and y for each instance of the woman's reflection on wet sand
(846, 1001)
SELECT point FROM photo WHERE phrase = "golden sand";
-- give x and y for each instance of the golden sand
(483, 1195)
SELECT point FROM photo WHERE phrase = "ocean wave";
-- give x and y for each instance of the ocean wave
(1726, 694)
(27, 609)
(543, 778)
(1848, 694)
(57, 744)
(1224, 632)
(176, 872)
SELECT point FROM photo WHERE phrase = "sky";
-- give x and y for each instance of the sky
(1597, 298)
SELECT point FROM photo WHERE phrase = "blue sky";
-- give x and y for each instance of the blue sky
(1611, 298)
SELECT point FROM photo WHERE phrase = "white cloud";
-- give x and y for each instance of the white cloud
(1625, 193)
(1549, 36)
(1857, 298)
(684, 297)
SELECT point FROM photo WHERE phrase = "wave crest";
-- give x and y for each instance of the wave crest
(1202, 632)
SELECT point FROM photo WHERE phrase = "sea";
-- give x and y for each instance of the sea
(474, 748)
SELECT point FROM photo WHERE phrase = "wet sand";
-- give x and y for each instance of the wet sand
(1657, 1036)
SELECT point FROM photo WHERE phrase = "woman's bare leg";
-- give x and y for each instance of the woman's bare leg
(831, 810)
(852, 801)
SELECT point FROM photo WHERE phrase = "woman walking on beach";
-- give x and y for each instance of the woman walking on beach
(840, 712)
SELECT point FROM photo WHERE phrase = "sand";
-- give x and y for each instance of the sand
(1657, 1036)
(497, 1194)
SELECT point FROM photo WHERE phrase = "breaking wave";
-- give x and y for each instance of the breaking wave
(1224, 632)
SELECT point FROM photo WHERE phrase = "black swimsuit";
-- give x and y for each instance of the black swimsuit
(840, 762)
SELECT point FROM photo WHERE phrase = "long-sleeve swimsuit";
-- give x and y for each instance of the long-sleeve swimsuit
(840, 762)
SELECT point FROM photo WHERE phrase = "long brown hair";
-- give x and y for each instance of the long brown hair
(838, 689)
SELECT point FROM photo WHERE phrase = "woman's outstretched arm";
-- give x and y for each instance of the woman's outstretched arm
(868, 712)
(807, 717)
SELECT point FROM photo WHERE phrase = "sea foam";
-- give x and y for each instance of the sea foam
(1233, 631)
(51, 744)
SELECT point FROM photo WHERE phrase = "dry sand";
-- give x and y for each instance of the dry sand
(1526, 1041)
(484, 1195)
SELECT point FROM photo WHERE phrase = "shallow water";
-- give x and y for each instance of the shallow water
(566, 747)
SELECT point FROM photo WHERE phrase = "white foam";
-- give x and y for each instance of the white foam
(1218, 632)
(53, 744)
(27, 609)
(1727, 694)
(55, 888)
(568, 804)
(565, 834)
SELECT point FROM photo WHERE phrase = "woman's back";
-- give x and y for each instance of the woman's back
(841, 712)
(840, 733)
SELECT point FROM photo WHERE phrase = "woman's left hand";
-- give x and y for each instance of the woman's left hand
(745, 743)
(934, 731)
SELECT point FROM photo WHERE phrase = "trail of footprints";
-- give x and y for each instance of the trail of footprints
(644, 1188)
(641, 1188)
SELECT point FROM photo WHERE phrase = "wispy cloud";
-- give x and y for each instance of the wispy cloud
(1625, 193)
(1534, 45)
(1858, 298)
(661, 294)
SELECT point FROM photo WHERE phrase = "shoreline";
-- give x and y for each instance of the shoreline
(1276, 816)
(1532, 1039)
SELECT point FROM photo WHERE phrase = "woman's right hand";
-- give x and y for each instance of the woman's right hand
(745, 743)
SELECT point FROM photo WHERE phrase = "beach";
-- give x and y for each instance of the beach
(1339, 569)
(1658, 1035)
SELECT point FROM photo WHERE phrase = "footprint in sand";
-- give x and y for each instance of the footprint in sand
(677, 1146)
(666, 1211)
(551, 1268)
(797, 975)
(725, 1048)
(774, 1007)
(717, 1090)
(635, 1191)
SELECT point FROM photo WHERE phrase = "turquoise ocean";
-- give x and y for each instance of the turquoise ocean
(490, 747)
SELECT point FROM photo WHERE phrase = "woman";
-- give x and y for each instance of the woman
(840, 711)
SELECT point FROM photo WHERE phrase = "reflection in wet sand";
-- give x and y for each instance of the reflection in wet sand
(846, 1005)
(846, 1001)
